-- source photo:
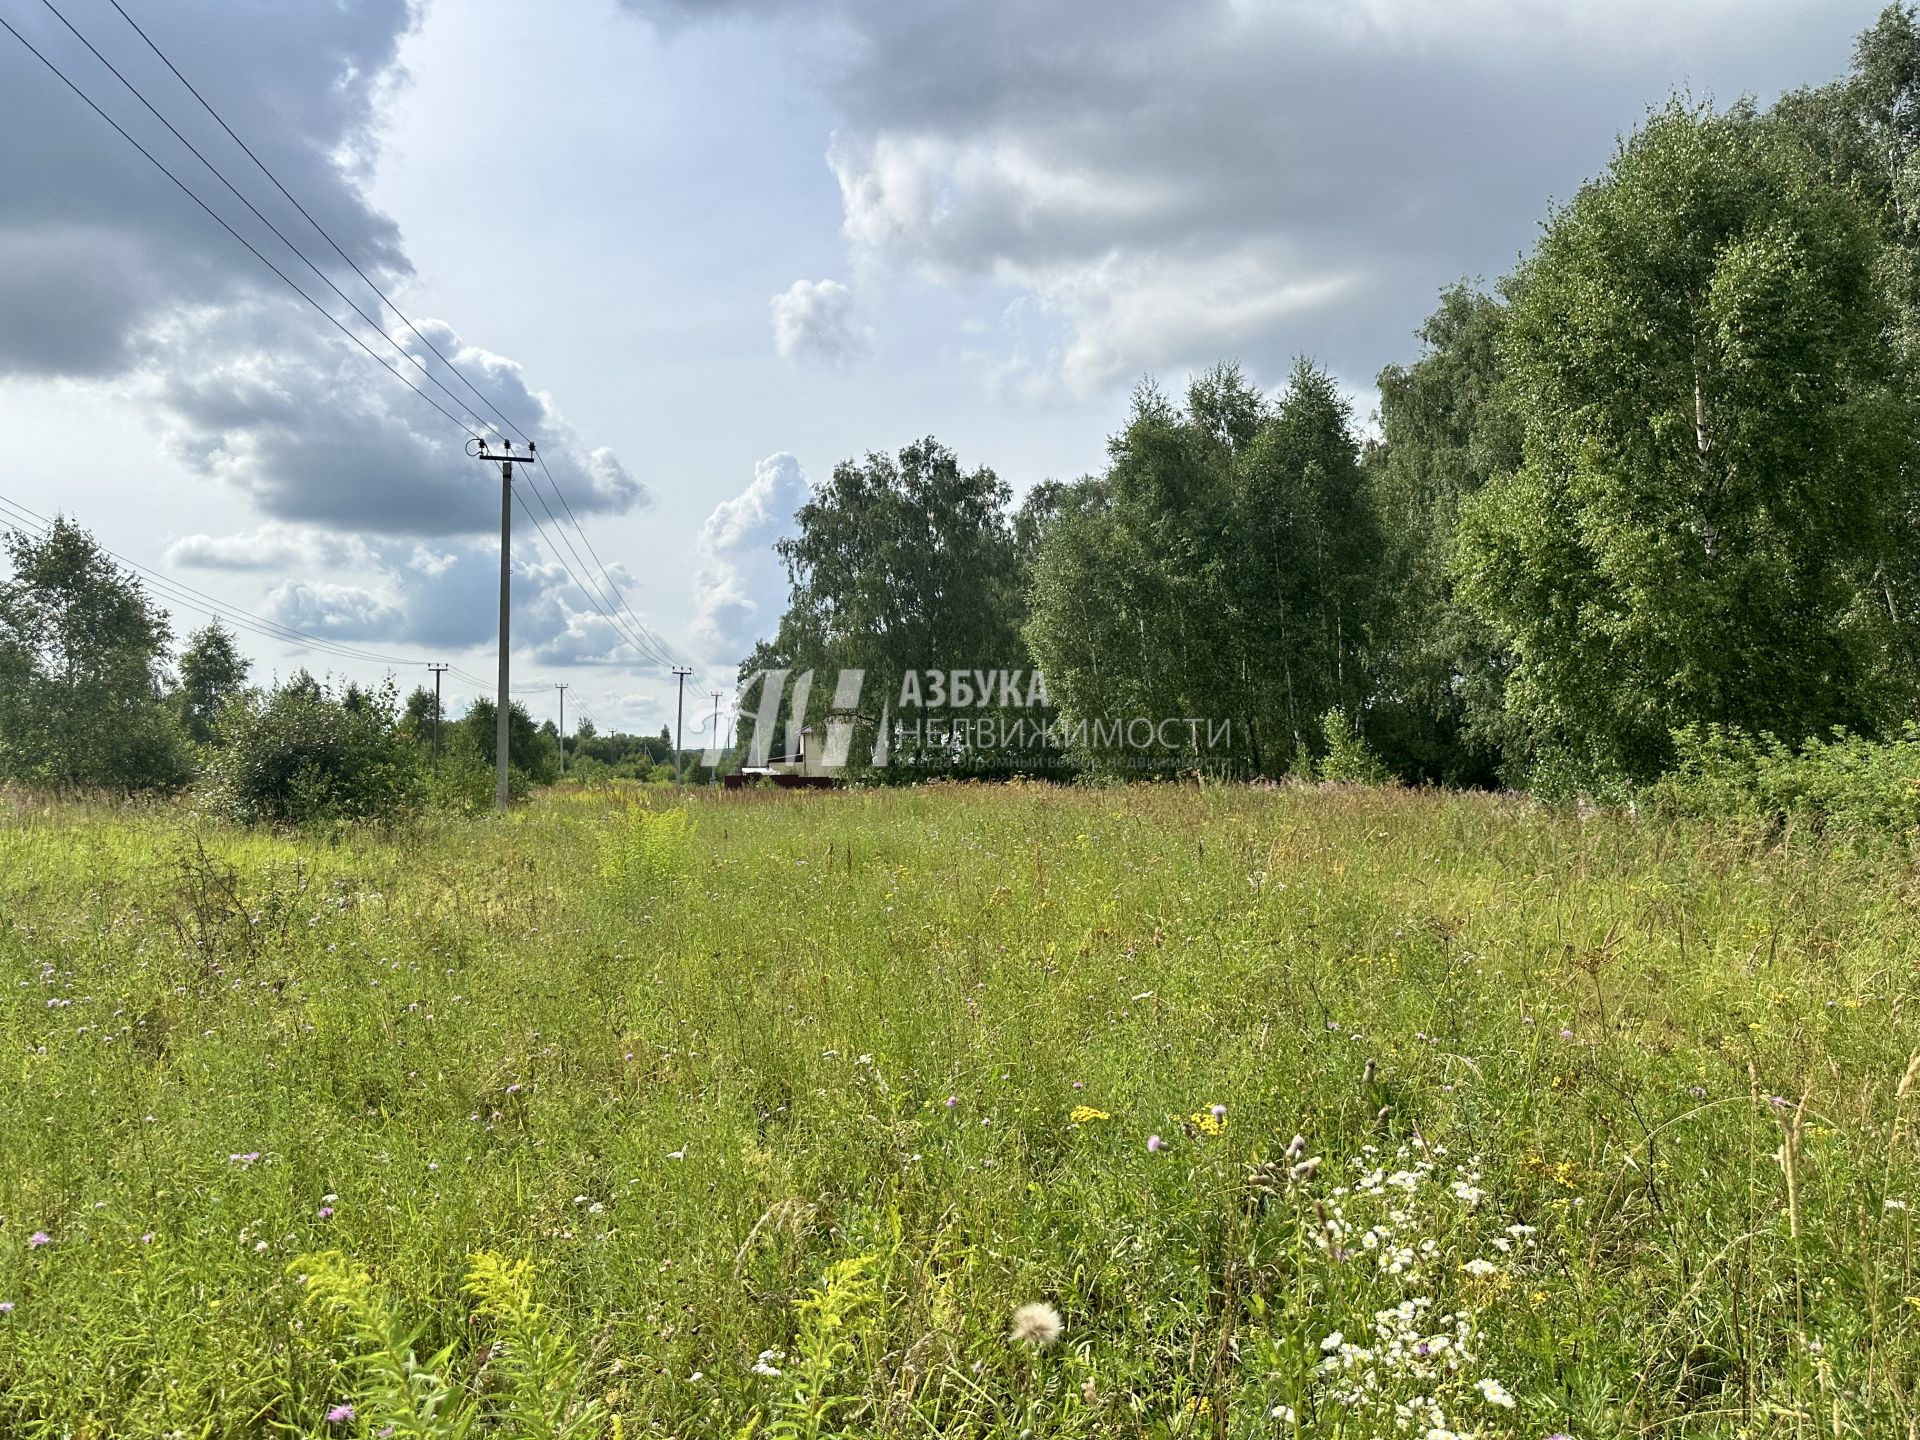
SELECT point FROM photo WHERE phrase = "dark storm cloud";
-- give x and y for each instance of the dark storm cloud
(1253, 176)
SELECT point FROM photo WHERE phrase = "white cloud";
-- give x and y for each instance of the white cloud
(1174, 184)
(740, 587)
(814, 323)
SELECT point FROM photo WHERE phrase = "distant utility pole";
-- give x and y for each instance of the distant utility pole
(438, 671)
(563, 728)
(506, 460)
(680, 673)
(714, 738)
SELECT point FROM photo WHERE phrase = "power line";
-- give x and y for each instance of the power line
(186, 190)
(646, 656)
(646, 651)
(217, 174)
(187, 597)
(650, 648)
(659, 648)
(206, 105)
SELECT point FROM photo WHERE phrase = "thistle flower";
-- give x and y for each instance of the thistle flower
(1154, 1144)
(1037, 1325)
(6, 1307)
(37, 1239)
(340, 1414)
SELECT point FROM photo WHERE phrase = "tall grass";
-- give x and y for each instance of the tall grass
(767, 1118)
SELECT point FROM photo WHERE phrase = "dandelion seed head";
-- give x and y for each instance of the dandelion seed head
(1037, 1324)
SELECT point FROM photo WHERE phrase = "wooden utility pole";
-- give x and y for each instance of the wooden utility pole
(563, 728)
(506, 459)
(438, 671)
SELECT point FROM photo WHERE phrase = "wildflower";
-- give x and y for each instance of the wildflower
(952, 1101)
(1037, 1325)
(1565, 1034)
(1283, 1413)
(147, 1239)
(1480, 1269)
(1219, 1112)
(1087, 1115)
(1891, 1204)
(6, 1307)
(37, 1239)
(1303, 1172)
(1494, 1393)
(1154, 1144)
(1296, 1147)
(696, 1377)
(340, 1414)
(1208, 1123)
(765, 1364)
(325, 1212)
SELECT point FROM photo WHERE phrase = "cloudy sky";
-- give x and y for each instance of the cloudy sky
(704, 249)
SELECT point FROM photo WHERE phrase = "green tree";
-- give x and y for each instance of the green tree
(82, 655)
(1714, 433)
(213, 674)
(303, 752)
(900, 564)
(1446, 428)
(1307, 546)
(531, 757)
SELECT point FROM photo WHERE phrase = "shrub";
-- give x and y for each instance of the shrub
(1846, 781)
(302, 753)
(1349, 758)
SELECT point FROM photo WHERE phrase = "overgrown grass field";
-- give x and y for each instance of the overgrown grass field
(1330, 1112)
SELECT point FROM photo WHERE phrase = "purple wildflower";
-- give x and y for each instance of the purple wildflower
(952, 1100)
(326, 1212)
(1154, 1144)
(37, 1239)
(340, 1414)
(6, 1307)
(1219, 1112)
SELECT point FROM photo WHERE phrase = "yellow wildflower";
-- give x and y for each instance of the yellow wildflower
(1087, 1115)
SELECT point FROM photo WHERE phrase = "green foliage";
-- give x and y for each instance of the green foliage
(532, 758)
(304, 752)
(1223, 569)
(1349, 759)
(1447, 425)
(213, 675)
(533, 1371)
(1714, 441)
(1845, 782)
(899, 564)
(643, 851)
(390, 1385)
(82, 650)
(831, 1319)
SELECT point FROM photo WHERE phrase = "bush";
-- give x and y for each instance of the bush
(302, 753)
(1846, 781)
(1349, 758)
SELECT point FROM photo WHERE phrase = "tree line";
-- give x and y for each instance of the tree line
(93, 697)
(1659, 481)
